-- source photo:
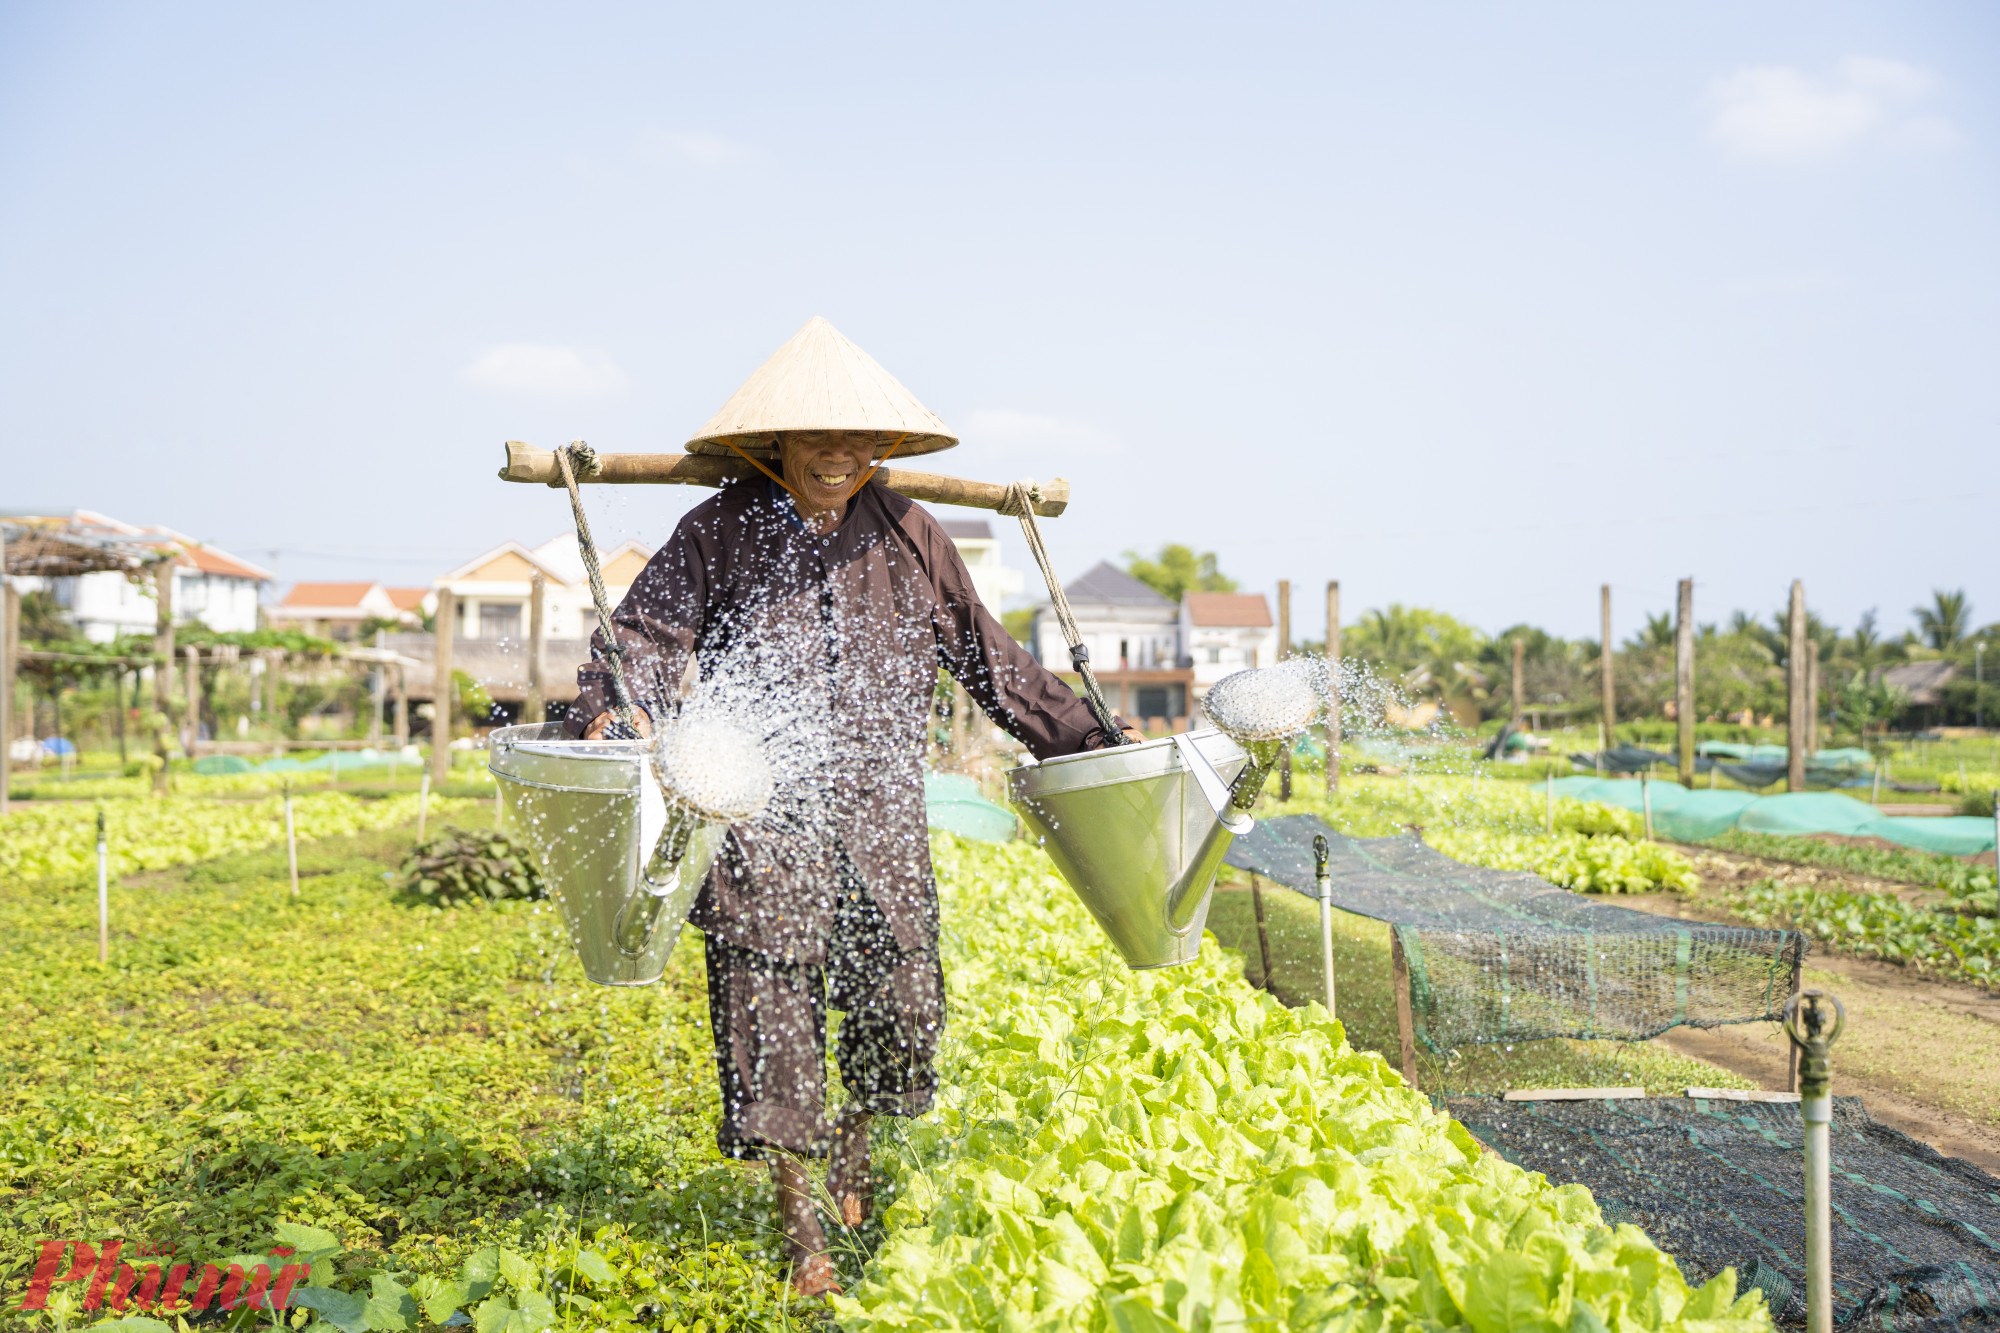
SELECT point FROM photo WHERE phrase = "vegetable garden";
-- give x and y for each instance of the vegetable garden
(435, 1088)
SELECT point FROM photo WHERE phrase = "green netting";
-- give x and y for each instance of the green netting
(1696, 816)
(215, 765)
(1503, 955)
(954, 803)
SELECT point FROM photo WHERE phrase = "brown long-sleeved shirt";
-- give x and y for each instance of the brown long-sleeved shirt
(833, 644)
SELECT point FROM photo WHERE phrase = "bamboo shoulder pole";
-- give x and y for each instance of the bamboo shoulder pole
(538, 467)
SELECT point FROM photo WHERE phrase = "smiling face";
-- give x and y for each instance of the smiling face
(824, 468)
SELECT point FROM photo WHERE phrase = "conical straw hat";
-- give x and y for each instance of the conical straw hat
(819, 381)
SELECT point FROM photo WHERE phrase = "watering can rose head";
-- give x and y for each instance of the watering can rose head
(714, 766)
(1263, 704)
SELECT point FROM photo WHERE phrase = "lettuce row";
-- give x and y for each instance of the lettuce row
(1146, 1152)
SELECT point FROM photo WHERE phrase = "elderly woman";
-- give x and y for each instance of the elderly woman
(835, 601)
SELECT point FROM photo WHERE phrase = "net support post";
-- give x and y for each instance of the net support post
(1406, 1028)
(1813, 1020)
(1263, 936)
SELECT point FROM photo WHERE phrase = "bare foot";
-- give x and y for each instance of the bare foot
(849, 1178)
(812, 1266)
(814, 1276)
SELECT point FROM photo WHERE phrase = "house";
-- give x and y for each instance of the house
(1920, 682)
(210, 586)
(1133, 634)
(1125, 624)
(338, 610)
(980, 550)
(492, 590)
(1225, 632)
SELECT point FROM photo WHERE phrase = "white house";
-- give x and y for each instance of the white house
(1126, 625)
(210, 586)
(1224, 632)
(492, 590)
(338, 610)
(980, 550)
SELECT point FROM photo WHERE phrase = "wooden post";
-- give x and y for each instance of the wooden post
(441, 691)
(1333, 686)
(535, 708)
(961, 705)
(1608, 684)
(1812, 703)
(1285, 651)
(1406, 1027)
(378, 689)
(402, 706)
(1520, 648)
(1795, 693)
(1263, 938)
(163, 670)
(1684, 680)
(193, 657)
(10, 646)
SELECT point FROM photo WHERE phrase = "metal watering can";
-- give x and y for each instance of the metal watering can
(1138, 831)
(624, 832)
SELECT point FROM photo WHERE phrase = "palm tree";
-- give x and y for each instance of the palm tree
(1944, 621)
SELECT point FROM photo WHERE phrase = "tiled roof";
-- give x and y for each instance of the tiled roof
(1228, 610)
(408, 599)
(326, 594)
(1104, 583)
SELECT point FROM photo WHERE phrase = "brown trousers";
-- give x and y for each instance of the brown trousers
(768, 1018)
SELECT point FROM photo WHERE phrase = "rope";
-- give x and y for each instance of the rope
(767, 472)
(869, 475)
(627, 726)
(1019, 501)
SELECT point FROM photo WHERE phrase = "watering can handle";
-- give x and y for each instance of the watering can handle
(1213, 788)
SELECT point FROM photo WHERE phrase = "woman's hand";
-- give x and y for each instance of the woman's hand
(599, 724)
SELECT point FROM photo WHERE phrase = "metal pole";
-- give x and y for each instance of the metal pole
(103, 894)
(1320, 858)
(1684, 681)
(1807, 1024)
(291, 839)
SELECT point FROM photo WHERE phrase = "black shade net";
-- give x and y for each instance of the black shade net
(1503, 955)
(1720, 1184)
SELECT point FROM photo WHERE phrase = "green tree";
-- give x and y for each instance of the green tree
(1943, 623)
(1178, 570)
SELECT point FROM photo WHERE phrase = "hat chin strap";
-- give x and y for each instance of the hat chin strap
(866, 477)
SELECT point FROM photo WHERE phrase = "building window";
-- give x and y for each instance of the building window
(499, 621)
(1159, 701)
(1215, 654)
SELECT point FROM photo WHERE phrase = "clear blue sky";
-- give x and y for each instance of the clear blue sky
(1468, 306)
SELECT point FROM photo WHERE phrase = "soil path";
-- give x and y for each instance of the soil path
(1923, 1053)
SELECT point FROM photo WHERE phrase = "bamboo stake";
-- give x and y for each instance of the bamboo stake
(1795, 690)
(1607, 683)
(535, 709)
(103, 894)
(1406, 1028)
(1333, 686)
(538, 467)
(1684, 680)
(291, 840)
(1263, 937)
(1285, 651)
(447, 611)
